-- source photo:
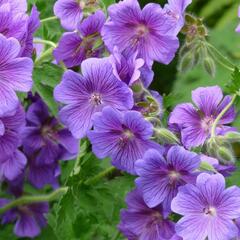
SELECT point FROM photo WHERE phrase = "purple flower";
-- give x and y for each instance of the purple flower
(16, 6)
(12, 166)
(126, 67)
(208, 209)
(160, 177)
(44, 137)
(32, 25)
(195, 123)
(141, 222)
(74, 47)
(123, 136)
(69, 12)
(29, 218)
(15, 74)
(174, 11)
(89, 93)
(238, 27)
(225, 170)
(144, 31)
(11, 126)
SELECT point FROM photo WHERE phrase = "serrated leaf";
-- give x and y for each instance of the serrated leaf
(234, 85)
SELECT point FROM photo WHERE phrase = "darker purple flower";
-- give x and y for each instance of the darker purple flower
(160, 177)
(15, 74)
(33, 24)
(141, 222)
(69, 12)
(74, 47)
(174, 11)
(123, 136)
(11, 126)
(126, 67)
(45, 138)
(29, 218)
(145, 31)
(89, 93)
(195, 121)
(12, 166)
(208, 209)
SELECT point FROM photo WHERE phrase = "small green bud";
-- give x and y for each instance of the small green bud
(232, 136)
(225, 154)
(187, 62)
(165, 136)
(205, 166)
(209, 66)
(97, 43)
(189, 19)
(137, 87)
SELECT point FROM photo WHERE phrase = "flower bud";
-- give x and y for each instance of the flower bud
(232, 136)
(225, 155)
(187, 62)
(209, 66)
(165, 136)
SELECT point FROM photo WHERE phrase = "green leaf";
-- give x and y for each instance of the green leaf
(234, 85)
(46, 77)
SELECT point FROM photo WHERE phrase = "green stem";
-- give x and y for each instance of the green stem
(221, 114)
(217, 55)
(34, 199)
(44, 55)
(100, 176)
(45, 42)
(48, 19)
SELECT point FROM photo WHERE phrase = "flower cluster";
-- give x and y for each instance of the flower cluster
(104, 96)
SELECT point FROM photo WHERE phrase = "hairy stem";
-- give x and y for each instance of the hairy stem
(217, 55)
(45, 42)
(34, 199)
(44, 55)
(100, 176)
(215, 123)
(48, 19)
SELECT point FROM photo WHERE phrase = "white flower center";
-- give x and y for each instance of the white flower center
(210, 211)
(96, 99)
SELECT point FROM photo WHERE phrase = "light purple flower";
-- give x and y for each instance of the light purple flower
(16, 6)
(89, 93)
(11, 126)
(208, 209)
(69, 12)
(174, 11)
(238, 27)
(45, 138)
(160, 177)
(29, 218)
(12, 166)
(74, 47)
(141, 222)
(123, 136)
(144, 31)
(195, 121)
(15, 74)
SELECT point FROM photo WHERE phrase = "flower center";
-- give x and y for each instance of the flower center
(173, 176)
(206, 123)
(142, 30)
(156, 217)
(96, 99)
(210, 211)
(125, 137)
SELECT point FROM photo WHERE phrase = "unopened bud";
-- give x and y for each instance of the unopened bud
(232, 136)
(165, 136)
(225, 155)
(187, 62)
(205, 166)
(209, 66)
